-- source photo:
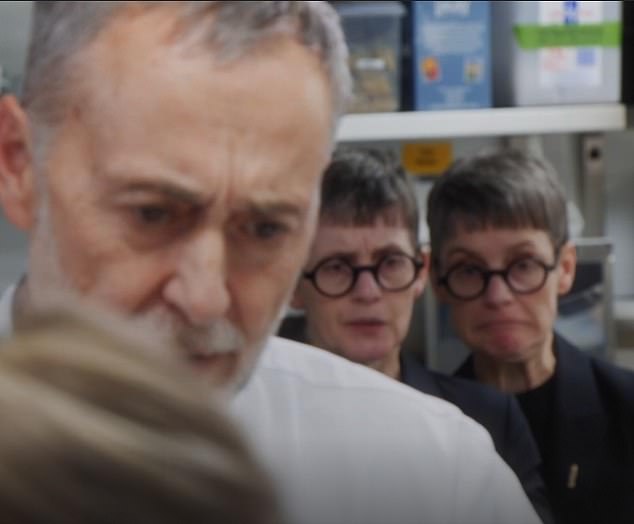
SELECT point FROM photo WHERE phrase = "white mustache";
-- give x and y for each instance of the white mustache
(219, 337)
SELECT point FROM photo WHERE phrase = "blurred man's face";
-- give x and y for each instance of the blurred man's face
(185, 192)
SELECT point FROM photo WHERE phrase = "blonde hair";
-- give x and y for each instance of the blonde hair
(96, 430)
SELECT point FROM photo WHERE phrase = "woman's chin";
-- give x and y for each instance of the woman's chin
(508, 351)
(368, 354)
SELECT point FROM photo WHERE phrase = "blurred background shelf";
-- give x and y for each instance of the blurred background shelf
(507, 121)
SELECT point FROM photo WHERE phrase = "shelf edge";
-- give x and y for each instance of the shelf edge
(482, 122)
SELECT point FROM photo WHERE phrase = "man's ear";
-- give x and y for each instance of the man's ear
(17, 188)
(566, 268)
(297, 300)
(421, 279)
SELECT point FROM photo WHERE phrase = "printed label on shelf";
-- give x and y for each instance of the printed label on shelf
(427, 158)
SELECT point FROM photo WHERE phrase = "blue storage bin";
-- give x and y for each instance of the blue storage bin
(451, 55)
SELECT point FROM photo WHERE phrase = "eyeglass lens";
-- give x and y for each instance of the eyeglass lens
(393, 272)
(522, 276)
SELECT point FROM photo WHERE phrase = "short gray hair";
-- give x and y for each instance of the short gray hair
(503, 189)
(61, 29)
(361, 185)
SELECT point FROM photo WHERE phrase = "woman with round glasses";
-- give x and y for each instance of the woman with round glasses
(365, 268)
(501, 257)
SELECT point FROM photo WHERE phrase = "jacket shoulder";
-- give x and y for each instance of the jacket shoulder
(462, 389)
(618, 381)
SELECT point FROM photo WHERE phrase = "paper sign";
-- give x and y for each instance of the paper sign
(427, 158)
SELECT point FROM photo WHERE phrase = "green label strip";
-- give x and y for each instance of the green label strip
(535, 36)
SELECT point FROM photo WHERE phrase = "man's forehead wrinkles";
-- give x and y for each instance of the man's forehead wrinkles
(174, 186)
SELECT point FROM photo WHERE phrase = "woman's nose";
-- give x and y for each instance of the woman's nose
(497, 290)
(366, 287)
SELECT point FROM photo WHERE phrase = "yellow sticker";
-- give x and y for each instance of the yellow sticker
(428, 158)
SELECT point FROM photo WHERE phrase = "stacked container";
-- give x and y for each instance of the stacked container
(451, 55)
(556, 52)
(373, 35)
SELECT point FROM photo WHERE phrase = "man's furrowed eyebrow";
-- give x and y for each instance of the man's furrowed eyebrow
(132, 176)
(164, 189)
(275, 208)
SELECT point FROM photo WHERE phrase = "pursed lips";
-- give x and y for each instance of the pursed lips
(500, 323)
(365, 321)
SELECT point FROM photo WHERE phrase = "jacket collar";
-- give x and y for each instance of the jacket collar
(415, 374)
(576, 391)
(573, 369)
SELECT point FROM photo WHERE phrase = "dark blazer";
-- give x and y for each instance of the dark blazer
(593, 434)
(499, 413)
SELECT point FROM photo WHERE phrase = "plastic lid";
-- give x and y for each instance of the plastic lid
(351, 9)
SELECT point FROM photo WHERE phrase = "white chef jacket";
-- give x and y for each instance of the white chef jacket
(348, 445)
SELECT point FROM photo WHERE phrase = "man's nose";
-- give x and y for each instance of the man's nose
(366, 287)
(497, 291)
(199, 287)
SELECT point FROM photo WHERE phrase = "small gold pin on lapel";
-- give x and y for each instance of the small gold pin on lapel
(573, 474)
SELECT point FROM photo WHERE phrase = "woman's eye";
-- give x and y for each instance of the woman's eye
(526, 265)
(394, 261)
(336, 266)
(469, 270)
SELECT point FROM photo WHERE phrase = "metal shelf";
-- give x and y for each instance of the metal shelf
(507, 121)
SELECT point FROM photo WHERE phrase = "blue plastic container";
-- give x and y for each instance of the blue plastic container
(451, 55)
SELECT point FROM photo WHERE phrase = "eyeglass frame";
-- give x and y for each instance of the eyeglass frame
(488, 274)
(357, 270)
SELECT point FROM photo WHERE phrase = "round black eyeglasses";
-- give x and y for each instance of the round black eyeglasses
(335, 277)
(522, 276)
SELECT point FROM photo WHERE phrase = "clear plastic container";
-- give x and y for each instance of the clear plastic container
(373, 34)
(555, 52)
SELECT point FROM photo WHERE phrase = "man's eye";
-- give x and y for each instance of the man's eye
(267, 230)
(153, 215)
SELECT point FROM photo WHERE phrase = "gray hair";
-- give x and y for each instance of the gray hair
(60, 30)
(363, 185)
(507, 189)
